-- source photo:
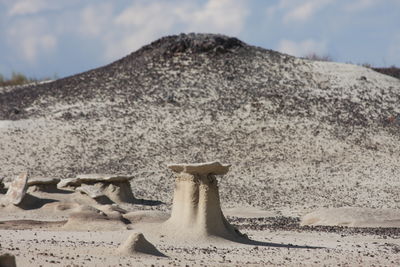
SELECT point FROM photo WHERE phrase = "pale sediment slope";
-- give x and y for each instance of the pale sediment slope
(354, 217)
(299, 134)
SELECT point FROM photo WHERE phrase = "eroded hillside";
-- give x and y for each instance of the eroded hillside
(298, 133)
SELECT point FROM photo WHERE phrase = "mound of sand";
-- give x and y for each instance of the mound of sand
(196, 211)
(354, 217)
(138, 244)
(88, 218)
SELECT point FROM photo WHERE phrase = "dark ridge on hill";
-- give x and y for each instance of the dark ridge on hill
(391, 71)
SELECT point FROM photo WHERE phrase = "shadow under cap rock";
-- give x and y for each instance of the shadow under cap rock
(138, 244)
(47, 185)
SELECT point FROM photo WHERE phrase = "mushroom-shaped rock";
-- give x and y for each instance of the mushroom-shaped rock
(7, 260)
(138, 244)
(17, 189)
(196, 209)
(114, 188)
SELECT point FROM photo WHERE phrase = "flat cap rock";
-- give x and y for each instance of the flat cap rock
(42, 181)
(214, 167)
(93, 178)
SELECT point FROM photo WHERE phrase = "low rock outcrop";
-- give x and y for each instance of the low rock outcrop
(104, 188)
(17, 189)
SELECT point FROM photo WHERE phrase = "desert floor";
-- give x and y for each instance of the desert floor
(276, 240)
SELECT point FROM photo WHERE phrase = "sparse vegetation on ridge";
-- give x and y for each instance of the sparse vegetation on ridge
(15, 79)
(18, 78)
(316, 57)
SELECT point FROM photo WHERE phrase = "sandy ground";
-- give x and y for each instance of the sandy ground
(49, 247)
(38, 237)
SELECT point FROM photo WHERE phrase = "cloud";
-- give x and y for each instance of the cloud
(297, 10)
(305, 11)
(95, 18)
(357, 5)
(143, 21)
(24, 7)
(29, 37)
(223, 16)
(31, 7)
(138, 25)
(302, 48)
(117, 31)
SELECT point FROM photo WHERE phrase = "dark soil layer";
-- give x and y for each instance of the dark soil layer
(391, 71)
(293, 224)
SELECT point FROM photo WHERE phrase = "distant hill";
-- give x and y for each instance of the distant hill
(283, 123)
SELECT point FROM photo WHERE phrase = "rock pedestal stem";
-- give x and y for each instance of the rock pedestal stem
(196, 205)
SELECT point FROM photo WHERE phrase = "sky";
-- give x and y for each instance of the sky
(48, 38)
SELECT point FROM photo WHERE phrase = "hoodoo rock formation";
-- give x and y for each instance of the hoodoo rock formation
(101, 187)
(196, 207)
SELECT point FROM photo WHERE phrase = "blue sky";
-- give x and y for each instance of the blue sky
(41, 38)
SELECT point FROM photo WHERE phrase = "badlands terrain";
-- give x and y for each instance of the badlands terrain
(314, 149)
